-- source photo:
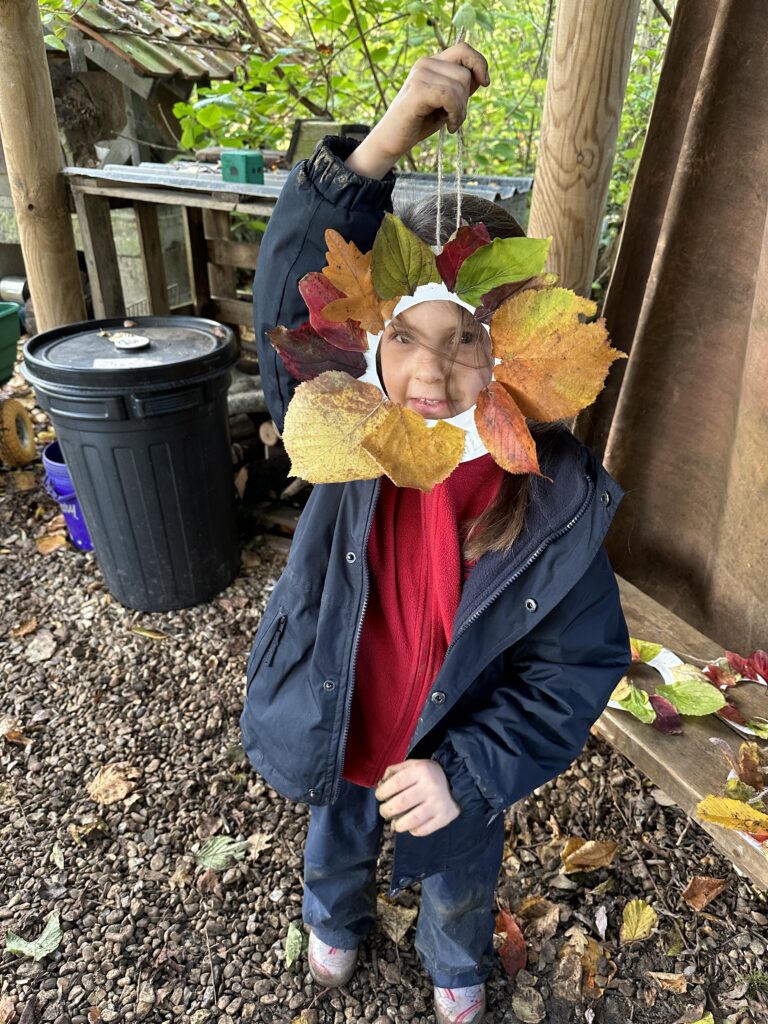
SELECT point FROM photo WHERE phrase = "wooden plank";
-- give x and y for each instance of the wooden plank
(228, 253)
(273, 513)
(170, 197)
(223, 280)
(232, 311)
(686, 767)
(197, 263)
(100, 255)
(152, 258)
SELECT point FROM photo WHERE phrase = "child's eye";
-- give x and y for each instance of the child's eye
(401, 339)
(468, 339)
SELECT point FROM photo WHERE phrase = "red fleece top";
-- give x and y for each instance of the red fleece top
(415, 567)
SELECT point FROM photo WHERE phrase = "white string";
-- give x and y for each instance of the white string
(459, 159)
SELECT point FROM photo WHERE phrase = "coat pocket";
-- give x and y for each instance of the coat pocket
(264, 652)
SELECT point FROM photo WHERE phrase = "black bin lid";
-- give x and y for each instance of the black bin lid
(143, 352)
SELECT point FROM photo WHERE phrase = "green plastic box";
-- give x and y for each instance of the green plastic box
(10, 332)
(246, 165)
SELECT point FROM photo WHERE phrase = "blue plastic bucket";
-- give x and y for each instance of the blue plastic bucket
(58, 484)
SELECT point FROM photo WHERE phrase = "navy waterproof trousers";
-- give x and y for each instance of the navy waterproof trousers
(454, 932)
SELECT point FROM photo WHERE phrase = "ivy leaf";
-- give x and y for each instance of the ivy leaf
(721, 810)
(306, 355)
(638, 704)
(667, 718)
(318, 292)
(411, 453)
(504, 432)
(460, 246)
(503, 261)
(325, 422)
(400, 260)
(553, 364)
(350, 271)
(491, 301)
(638, 921)
(218, 852)
(691, 692)
(46, 942)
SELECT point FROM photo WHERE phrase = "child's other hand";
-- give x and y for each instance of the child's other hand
(435, 92)
(416, 797)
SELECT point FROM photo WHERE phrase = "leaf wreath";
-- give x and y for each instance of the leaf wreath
(553, 364)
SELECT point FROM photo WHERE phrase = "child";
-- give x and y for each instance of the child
(425, 658)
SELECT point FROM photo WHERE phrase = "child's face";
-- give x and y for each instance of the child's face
(425, 368)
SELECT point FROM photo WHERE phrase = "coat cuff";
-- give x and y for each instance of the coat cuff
(463, 786)
(342, 186)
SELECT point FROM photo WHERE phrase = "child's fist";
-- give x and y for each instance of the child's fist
(416, 798)
(435, 92)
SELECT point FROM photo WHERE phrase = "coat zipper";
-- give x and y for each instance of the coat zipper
(273, 643)
(516, 575)
(356, 642)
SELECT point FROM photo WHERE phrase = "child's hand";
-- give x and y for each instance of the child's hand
(416, 797)
(435, 92)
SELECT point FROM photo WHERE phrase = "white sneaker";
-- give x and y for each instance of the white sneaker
(329, 965)
(460, 1005)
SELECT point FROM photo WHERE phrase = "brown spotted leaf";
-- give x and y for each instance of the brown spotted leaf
(350, 271)
(411, 453)
(461, 244)
(306, 355)
(553, 364)
(325, 423)
(317, 291)
(504, 432)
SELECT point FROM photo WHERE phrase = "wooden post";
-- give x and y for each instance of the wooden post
(588, 71)
(34, 159)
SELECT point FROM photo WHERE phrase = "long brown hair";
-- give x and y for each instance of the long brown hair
(499, 526)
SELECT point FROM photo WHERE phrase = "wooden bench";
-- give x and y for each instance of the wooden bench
(687, 767)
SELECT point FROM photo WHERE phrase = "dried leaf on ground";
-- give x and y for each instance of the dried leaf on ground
(10, 730)
(670, 982)
(57, 856)
(538, 917)
(42, 647)
(257, 842)
(306, 1017)
(50, 543)
(7, 1009)
(395, 919)
(638, 921)
(113, 783)
(46, 942)
(24, 481)
(296, 943)
(218, 852)
(597, 970)
(82, 830)
(587, 854)
(512, 952)
(24, 628)
(182, 875)
(528, 1005)
(702, 889)
(150, 634)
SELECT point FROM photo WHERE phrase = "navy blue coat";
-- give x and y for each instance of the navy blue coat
(539, 640)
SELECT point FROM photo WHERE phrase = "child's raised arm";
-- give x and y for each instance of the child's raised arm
(348, 186)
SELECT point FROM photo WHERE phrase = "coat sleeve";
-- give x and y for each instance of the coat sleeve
(319, 193)
(559, 679)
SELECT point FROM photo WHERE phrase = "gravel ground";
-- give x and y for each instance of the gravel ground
(148, 934)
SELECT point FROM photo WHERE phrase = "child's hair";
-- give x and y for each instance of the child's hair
(497, 528)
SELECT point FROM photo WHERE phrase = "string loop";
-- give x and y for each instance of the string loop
(459, 160)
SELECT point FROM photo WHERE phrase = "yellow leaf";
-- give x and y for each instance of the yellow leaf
(113, 783)
(622, 690)
(587, 854)
(411, 453)
(553, 364)
(720, 810)
(350, 271)
(670, 982)
(638, 921)
(326, 421)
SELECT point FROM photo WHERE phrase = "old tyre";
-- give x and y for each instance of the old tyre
(17, 437)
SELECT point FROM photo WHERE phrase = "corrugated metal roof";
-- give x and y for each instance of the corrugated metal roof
(169, 37)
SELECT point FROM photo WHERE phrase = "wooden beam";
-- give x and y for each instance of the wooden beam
(100, 255)
(117, 66)
(223, 284)
(34, 159)
(227, 253)
(197, 264)
(152, 258)
(588, 71)
(232, 311)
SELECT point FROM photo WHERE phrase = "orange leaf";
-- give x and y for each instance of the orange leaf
(350, 271)
(411, 453)
(513, 954)
(326, 420)
(702, 889)
(504, 432)
(553, 364)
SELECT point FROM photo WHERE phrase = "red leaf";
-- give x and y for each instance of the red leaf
(759, 664)
(317, 291)
(467, 239)
(513, 954)
(306, 355)
(721, 674)
(732, 713)
(740, 664)
(504, 432)
(759, 837)
(667, 718)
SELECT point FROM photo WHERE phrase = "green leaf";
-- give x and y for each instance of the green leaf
(55, 42)
(504, 261)
(46, 942)
(296, 943)
(401, 261)
(646, 650)
(638, 704)
(692, 697)
(217, 852)
(465, 17)
(759, 726)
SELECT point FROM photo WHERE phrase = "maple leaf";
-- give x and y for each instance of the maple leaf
(112, 783)
(325, 422)
(317, 291)
(400, 260)
(411, 453)
(504, 432)
(306, 355)
(491, 301)
(350, 271)
(553, 364)
(458, 247)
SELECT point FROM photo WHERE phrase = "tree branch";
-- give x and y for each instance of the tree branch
(662, 11)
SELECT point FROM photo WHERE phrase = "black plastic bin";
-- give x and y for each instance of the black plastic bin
(140, 413)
